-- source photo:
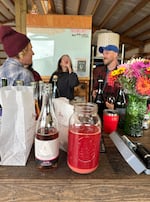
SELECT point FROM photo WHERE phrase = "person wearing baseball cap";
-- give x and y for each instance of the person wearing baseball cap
(19, 50)
(110, 60)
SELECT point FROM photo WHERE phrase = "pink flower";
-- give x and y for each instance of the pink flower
(137, 68)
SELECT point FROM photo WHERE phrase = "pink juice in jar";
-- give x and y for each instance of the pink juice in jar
(83, 148)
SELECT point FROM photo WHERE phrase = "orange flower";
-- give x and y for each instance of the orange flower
(147, 71)
(111, 79)
(143, 86)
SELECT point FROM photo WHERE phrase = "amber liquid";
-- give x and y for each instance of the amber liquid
(47, 148)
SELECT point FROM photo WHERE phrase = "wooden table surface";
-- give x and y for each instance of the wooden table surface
(113, 181)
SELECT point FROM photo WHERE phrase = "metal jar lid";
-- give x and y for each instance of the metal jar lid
(110, 112)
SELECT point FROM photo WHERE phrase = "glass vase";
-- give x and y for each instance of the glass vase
(135, 111)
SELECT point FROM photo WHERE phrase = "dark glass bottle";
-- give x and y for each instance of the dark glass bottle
(55, 93)
(144, 154)
(99, 100)
(120, 106)
(34, 84)
(40, 93)
(46, 139)
(4, 83)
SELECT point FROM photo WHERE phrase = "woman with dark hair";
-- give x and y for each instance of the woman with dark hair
(36, 75)
(66, 78)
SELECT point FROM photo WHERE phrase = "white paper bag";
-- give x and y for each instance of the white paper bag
(63, 112)
(17, 124)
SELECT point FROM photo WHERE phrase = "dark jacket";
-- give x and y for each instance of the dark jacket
(66, 83)
(101, 72)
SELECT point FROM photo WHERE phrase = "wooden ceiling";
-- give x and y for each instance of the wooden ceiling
(129, 18)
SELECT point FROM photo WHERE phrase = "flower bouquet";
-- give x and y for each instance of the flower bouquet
(134, 77)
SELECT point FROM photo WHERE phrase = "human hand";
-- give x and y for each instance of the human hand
(94, 93)
(109, 105)
(67, 65)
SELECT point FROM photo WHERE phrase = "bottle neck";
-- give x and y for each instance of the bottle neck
(47, 119)
(100, 87)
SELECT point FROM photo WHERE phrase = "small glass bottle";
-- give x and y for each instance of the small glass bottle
(55, 93)
(19, 82)
(4, 81)
(99, 100)
(47, 137)
(84, 138)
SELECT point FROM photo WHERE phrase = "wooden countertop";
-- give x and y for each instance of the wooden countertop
(114, 180)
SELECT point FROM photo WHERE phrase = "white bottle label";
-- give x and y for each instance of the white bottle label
(46, 149)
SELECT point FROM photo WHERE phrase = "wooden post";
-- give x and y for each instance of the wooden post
(20, 11)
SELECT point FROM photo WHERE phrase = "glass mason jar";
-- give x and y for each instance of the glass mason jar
(84, 138)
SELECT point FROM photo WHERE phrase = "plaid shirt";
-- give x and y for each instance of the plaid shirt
(101, 72)
(13, 70)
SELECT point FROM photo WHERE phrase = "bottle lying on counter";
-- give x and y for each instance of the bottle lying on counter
(47, 137)
(140, 150)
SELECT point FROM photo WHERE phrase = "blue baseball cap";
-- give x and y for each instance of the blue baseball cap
(109, 48)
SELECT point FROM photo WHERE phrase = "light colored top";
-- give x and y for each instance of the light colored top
(13, 70)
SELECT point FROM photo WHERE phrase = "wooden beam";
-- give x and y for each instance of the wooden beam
(64, 6)
(39, 5)
(53, 9)
(20, 10)
(7, 22)
(130, 47)
(44, 6)
(131, 41)
(110, 12)
(95, 7)
(79, 4)
(133, 12)
(8, 4)
(147, 32)
(141, 51)
(60, 21)
(146, 41)
(137, 25)
(3, 16)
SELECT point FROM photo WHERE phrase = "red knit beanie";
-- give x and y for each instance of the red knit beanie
(13, 42)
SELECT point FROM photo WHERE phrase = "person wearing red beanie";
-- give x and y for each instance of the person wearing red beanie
(19, 50)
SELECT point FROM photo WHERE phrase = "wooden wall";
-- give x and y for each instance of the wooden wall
(60, 21)
(2, 54)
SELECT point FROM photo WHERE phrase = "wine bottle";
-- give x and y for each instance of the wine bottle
(55, 93)
(40, 91)
(35, 94)
(121, 100)
(144, 154)
(46, 138)
(120, 105)
(99, 100)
